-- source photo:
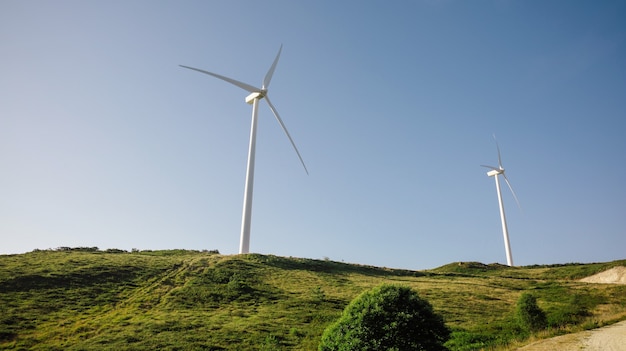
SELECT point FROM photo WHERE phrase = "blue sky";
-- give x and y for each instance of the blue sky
(105, 141)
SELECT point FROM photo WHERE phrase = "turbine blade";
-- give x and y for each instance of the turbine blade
(511, 188)
(498, 147)
(242, 85)
(270, 73)
(280, 121)
(492, 167)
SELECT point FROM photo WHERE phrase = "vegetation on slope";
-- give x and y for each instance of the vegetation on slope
(86, 299)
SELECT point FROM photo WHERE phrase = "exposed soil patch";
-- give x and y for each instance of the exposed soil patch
(615, 275)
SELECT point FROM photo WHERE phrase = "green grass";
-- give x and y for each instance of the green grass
(86, 299)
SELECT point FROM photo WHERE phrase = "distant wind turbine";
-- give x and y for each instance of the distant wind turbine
(256, 95)
(495, 172)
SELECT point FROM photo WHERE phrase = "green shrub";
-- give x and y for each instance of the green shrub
(531, 317)
(388, 317)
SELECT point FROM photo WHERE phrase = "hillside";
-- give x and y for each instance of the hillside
(85, 299)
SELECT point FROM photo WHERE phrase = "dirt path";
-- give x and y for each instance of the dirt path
(610, 338)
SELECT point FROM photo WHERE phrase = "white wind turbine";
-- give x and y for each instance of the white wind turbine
(495, 172)
(256, 94)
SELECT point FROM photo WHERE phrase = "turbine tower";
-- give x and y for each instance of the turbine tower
(496, 172)
(256, 94)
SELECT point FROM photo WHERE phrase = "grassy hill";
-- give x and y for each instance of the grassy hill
(86, 299)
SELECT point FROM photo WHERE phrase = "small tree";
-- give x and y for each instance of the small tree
(531, 317)
(388, 317)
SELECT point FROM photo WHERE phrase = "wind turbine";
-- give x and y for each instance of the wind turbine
(496, 172)
(256, 94)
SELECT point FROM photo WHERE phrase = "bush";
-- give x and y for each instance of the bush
(530, 316)
(387, 317)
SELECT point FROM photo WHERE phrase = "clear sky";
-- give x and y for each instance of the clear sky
(105, 141)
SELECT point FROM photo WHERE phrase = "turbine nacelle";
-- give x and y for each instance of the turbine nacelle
(256, 95)
(495, 172)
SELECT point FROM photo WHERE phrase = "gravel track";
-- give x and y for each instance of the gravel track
(609, 338)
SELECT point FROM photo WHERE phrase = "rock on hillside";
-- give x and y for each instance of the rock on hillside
(615, 275)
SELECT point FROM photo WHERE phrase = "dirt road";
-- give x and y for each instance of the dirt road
(610, 338)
